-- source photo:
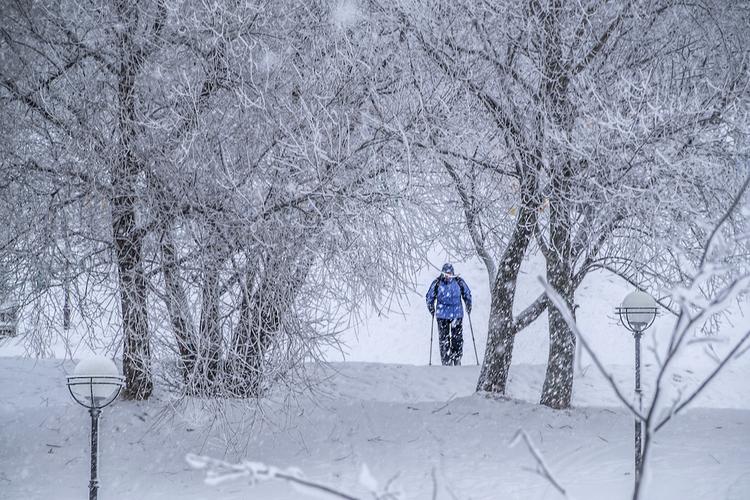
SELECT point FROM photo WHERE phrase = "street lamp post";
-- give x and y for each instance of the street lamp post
(95, 384)
(637, 312)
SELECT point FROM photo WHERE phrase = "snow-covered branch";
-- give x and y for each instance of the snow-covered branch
(220, 471)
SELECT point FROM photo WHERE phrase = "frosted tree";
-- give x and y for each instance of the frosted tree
(555, 122)
(299, 202)
(232, 164)
(70, 76)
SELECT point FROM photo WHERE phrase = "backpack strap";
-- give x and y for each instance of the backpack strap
(461, 285)
(435, 287)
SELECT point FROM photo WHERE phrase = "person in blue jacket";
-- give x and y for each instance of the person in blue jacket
(447, 291)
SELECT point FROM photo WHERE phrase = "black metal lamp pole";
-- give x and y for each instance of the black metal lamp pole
(637, 319)
(639, 396)
(94, 482)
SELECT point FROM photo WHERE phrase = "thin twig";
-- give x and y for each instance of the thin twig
(545, 472)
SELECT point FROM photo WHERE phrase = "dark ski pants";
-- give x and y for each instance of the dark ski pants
(451, 340)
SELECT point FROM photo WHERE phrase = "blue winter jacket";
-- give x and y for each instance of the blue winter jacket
(449, 292)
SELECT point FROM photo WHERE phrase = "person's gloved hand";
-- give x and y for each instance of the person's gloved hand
(431, 309)
(468, 308)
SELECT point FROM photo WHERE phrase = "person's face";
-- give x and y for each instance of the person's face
(448, 276)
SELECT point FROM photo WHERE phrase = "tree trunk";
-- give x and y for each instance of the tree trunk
(266, 298)
(558, 382)
(260, 319)
(66, 305)
(499, 351)
(242, 374)
(502, 328)
(177, 308)
(136, 359)
(208, 354)
(265, 323)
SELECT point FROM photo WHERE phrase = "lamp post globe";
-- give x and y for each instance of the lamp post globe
(638, 311)
(95, 384)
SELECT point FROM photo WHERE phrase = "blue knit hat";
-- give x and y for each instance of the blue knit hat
(448, 268)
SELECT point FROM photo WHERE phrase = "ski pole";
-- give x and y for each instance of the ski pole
(432, 333)
(471, 327)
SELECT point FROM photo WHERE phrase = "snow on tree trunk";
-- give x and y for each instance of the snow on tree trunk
(493, 376)
(502, 327)
(558, 381)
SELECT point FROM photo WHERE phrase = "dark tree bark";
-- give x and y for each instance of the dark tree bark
(502, 326)
(558, 382)
(206, 369)
(259, 321)
(177, 308)
(66, 306)
(136, 358)
(128, 238)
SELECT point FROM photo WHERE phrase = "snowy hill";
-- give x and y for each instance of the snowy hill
(419, 426)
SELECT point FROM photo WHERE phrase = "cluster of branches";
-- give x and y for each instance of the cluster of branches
(228, 174)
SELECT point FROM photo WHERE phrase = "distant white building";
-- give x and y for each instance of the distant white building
(8, 318)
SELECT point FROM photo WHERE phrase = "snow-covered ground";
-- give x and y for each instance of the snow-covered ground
(421, 427)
